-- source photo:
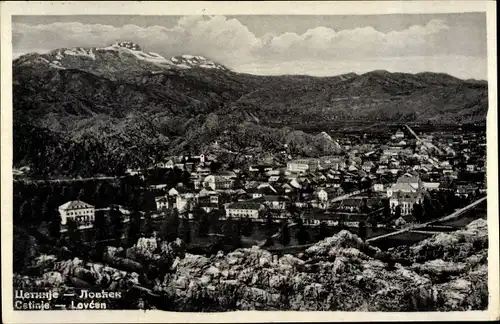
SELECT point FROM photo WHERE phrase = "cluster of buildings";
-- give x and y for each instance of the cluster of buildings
(345, 188)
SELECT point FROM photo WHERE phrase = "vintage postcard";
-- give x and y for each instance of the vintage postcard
(249, 162)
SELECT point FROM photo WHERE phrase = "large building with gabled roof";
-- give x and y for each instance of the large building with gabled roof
(80, 212)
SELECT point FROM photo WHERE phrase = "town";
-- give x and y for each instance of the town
(378, 185)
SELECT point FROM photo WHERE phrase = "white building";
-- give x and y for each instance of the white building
(407, 191)
(303, 165)
(399, 134)
(80, 212)
(322, 195)
(405, 201)
(218, 182)
(161, 202)
(244, 209)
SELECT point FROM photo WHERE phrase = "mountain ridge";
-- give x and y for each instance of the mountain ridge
(105, 96)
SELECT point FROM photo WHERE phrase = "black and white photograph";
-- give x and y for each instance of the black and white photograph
(211, 163)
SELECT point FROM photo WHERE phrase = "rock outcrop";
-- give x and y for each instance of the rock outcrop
(341, 273)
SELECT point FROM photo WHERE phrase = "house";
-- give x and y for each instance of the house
(353, 220)
(208, 207)
(287, 188)
(470, 167)
(295, 184)
(322, 195)
(202, 171)
(261, 168)
(184, 203)
(352, 168)
(407, 184)
(274, 202)
(401, 143)
(378, 187)
(261, 191)
(183, 197)
(169, 164)
(465, 190)
(431, 186)
(147, 243)
(382, 169)
(161, 202)
(405, 200)
(244, 209)
(303, 165)
(209, 203)
(218, 182)
(80, 212)
(331, 162)
(316, 218)
(275, 178)
(399, 134)
(368, 166)
(181, 191)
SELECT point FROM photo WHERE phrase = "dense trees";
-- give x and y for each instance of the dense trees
(362, 230)
(323, 231)
(232, 232)
(74, 236)
(302, 234)
(397, 212)
(284, 238)
(134, 228)
(185, 230)
(55, 225)
(418, 212)
(116, 222)
(170, 226)
(148, 228)
(247, 227)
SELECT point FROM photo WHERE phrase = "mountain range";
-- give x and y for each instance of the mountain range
(140, 106)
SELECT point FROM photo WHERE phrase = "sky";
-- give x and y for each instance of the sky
(270, 45)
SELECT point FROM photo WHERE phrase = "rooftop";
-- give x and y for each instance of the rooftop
(75, 204)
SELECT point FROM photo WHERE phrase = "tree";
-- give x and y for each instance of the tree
(323, 231)
(247, 227)
(362, 230)
(418, 212)
(203, 220)
(236, 234)
(148, 225)
(387, 209)
(364, 207)
(428, 209)
(74, 235)
(25, 212)
(134, 228)
(285, 234)
(45, 211)
(116, 219)
(170, 230)
(232, 233)
(185, 230)
(269, 223)
(302, 235)
(100, 226)
(397, 212)
(55, 225)
(292, 209)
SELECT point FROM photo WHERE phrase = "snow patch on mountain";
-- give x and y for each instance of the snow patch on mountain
(65, 57)
(187, 60)
(78, 51)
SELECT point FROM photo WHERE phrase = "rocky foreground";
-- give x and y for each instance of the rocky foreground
(447, 272)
